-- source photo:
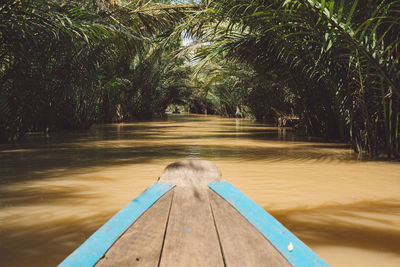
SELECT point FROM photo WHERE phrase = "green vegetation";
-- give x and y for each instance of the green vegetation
(65, 65)
(334, 65)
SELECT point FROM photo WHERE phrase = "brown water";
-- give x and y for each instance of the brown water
(57, 190)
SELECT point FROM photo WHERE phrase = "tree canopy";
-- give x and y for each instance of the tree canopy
(333, 65)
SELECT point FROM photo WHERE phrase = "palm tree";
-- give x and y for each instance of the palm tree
(340, 61)
(58, 57)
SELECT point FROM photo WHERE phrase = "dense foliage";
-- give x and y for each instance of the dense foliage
(332, 65)
(65, 65)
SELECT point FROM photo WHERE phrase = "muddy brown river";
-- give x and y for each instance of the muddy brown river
(56, 190)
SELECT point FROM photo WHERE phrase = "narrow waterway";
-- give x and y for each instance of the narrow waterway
(55, 191)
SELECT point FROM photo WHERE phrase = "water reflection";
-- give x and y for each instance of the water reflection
(56, 190)
(142, 142)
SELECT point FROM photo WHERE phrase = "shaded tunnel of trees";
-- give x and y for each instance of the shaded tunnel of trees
(333, 65)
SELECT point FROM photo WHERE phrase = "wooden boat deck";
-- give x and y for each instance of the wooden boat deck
(198, 223)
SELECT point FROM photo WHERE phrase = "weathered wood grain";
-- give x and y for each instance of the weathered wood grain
(191, 238)
(141, 244)
(296, 252)
(242, 244)
(90, 252)
(202, 221)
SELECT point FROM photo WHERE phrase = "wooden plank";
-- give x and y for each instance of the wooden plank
(141, 244)
(242, 244)
(191, 238)
(90, 252)
(295, 251)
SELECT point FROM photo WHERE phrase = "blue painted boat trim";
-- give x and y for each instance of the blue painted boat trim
(275, 232)
(90, 252)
